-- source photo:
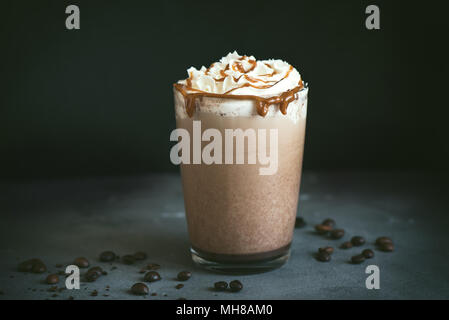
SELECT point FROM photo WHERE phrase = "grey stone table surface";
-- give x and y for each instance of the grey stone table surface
(60, 220)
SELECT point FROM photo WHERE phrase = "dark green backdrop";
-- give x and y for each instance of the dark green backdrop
(99, 100)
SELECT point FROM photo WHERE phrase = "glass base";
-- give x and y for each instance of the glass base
(241, 264)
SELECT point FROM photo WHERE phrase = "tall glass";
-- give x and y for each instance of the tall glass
(241, 217)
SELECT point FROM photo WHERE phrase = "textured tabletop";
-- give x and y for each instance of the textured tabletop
(60, 220)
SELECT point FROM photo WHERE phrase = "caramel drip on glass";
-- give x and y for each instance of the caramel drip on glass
(262, 104)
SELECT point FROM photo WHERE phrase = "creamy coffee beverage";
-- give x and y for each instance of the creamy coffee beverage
(241, 216)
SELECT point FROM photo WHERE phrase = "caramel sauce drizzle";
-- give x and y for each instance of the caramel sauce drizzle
(262, 104)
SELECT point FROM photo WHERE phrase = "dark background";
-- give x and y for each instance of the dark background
(98, 100)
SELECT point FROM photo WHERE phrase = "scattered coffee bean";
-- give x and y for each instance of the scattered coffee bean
(140, 255)
(140, 289)
(81, 262)
(94, 293)
(107, 256)
(96, 269)
(322, 229)
(26, 266)
(358, 258)
(154, 294)
(235, 286)
(337, 233)
(52, 279)
(93, 274)
(323, 256)
(328, 250)
(153, 266)
(300, 222)
(383, 240)
(184, 275)
(368, 253)
(32, 265)
(387, 247)
(358, 241)
(346, 245)
(128, 259)
(152, 276)
(179, 286)
(328, 222)
(39, 267)
(221, 285)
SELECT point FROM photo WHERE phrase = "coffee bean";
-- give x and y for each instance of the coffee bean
(184, 275)
(358, 258)
(107, 256)
(27, 265)
(39, 267)
(383, 240)
(81, 262)
(94, 293)
(337, 233)
(235, 285)
(52, 279)
(322, 229)
(128, 259)
(140, 289)
(153, 266)
(368, 253)
(387, 247)
(346, 245)
(358, 241)
(323, 256)
(96, 269)
(328, 222)
(221, 285)
(140, 255)
(93, 274)
(152, 276)
(300, 222)
(328, 250)
(32, 265)
(179, 286)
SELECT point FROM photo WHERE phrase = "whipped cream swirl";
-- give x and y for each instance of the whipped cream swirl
(243, 75)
